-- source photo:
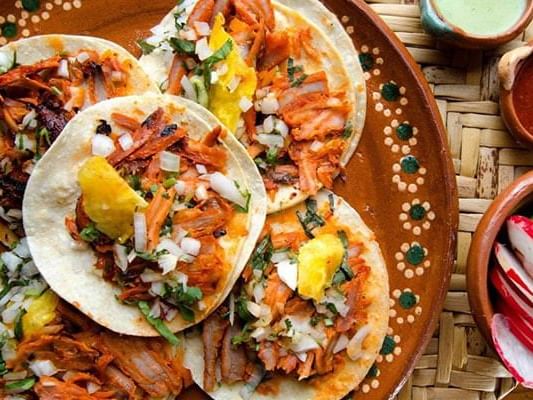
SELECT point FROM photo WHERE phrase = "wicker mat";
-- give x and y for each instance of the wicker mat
(486, 160)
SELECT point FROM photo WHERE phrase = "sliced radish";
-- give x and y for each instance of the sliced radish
(514, 270)
(510, 295)
(519, 326)
(520, 230)
(516, 357)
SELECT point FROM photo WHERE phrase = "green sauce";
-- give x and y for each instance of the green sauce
(482, 17)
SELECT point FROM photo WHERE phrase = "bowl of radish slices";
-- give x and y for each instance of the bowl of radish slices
(500, 277)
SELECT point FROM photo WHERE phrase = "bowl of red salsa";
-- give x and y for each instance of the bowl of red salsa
(516, 95)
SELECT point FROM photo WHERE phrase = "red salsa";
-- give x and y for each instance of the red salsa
(523, 95)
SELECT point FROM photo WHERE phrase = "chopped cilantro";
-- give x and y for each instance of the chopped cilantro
(311, 219)
(221, 54)
(56, 91)
(272, 155)
(262, 254)
(134, 181)
(344, 267)
(298, 81)
(185, 298)
(242, 309)
(90, 233)
(21, 385)
(44, 133)
(331, 200)
(158, 324)
(243, 337)
(293, 69)
(328, 322)
(145, 47)
(182, 46)
(247, 197)
(348, 130)
(331, 307)
(288, 324)
(154, 188)
(19, 331)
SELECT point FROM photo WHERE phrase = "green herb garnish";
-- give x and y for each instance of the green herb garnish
(221, 54)
(22, 385)
(272, 155)
(185, 298)
(242, 309)
(348, 130)
(158, 324)
(182, 46)
(19, 331)
(262, 254)
(146, 48)
(311, 219)
(90, 233)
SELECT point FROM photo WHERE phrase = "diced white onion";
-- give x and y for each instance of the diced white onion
(201, 193)
(15, 376)
(279, 256)
(82, 57)
(245, 104)
(191, 246)
(25, 142)
(201, 305)
(269, 105)
(168, 263)
(43, 368)
(202, 170)
(355, 346)
(261, 333)
(117, 76)
(102, 145)
(259, 292)
(316, 146)
(15, 213)
(203, 50)
(302, 356)
(139, 227)
(181, 188)
(169, 161)
(188, 88)
(155, 310)
(171, 314)
(288, 273)
(120, 254)
(270, 140)
(181, 278)
(234, 83)
(92, 387)
(11, 260)
(188, 34)
(225, 187)
(126, 141)
(150, 276)
(222, 69)
(202, 28)
(62, 69)
(268, 124)
(302, 343)
(214, 77)
(132, 256)
(342, 343)
(30, 120)
(231, 309)
(29, 270)
(170, 246)
(22, 250)
(282, 128)
(157, 288)
(254, 308)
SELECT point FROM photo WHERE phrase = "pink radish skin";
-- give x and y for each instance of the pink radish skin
(520, 230)
(510, 295)
(519, 327)
(516, 357)
(514, 270)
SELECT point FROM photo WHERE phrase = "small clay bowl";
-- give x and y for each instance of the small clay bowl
(509, 69)
(517, 196)
(435, 23)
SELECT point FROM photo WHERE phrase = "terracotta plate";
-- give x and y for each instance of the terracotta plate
(400, 179)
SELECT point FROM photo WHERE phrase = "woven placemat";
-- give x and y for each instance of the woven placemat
(486, 160)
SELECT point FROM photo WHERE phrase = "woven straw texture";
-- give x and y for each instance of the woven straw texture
(486, 161)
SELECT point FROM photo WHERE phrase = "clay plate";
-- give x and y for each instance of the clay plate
(401, 179)
(515, 197)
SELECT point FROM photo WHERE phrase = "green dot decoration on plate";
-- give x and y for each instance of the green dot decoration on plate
(373, 371)
(9, 29)
(415, 255)
(407, 300)
(410, 164)
(404, 131)
(388, 345)
(31, 5)
(390, 91)
(367, 61)
(417, 212)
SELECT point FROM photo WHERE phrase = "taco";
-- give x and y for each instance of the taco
(148, 225)
(308, 315)
(44, 82)
(283, 76)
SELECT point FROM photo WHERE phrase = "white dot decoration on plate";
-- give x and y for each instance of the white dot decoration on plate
(416, 216)
(28, 16)
(412, 259)
(404, 304)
